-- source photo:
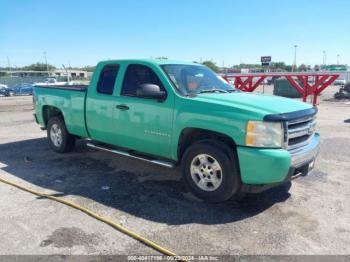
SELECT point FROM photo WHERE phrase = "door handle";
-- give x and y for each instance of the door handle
(122, 107)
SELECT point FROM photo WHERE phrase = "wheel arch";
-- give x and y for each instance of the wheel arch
(51, 111)
(189, 136)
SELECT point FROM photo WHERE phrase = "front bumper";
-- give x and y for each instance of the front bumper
(262, 169)
(306, 154)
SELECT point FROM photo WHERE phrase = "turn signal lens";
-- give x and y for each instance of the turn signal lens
(250, 126)
(249, 139)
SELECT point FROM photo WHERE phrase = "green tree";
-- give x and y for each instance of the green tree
(38, 67)
(278, 66)
(289, 68)
(211, 65)
(302, 68)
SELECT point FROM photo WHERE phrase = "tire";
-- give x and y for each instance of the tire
(59, 139)
(210, 172)
(347, 88)
(337, 95)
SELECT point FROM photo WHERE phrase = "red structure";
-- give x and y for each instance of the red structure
(320, 81)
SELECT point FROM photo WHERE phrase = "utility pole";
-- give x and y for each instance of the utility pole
(324, 60)
(9, 65)
(47, 68)
(323, 57)
(295, 58)
(337, 59)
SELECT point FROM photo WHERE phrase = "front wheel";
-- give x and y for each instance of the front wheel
(59, 139)
(210, 171)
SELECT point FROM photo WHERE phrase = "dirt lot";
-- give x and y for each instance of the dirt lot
(313, 219)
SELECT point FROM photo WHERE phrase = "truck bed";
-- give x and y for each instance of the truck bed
(70, 99)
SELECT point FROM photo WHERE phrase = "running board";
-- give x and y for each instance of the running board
(294, 176)
(164, 163)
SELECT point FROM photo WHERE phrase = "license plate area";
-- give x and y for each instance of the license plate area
(303, 170)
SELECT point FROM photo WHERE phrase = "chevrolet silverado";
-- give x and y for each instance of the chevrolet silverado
(174, 113)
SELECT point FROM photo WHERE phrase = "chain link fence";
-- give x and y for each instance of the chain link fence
(18, 85)
(23, 85)
(13, 81)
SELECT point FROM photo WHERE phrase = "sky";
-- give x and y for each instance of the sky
(83, 32)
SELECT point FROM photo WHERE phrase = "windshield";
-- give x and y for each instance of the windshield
(193, 79)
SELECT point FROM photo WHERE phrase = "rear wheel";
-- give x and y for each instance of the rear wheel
(210, 172)
(59, 139)
(338, 95)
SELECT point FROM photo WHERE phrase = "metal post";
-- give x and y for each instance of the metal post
(9, 66)
(47, 68)
(323, 62)
(295, 58)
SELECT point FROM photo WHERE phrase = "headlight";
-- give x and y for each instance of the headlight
(264, 134)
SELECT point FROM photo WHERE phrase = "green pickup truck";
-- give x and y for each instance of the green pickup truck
(174, 113)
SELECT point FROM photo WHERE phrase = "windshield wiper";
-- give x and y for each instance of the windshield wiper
(212, 91)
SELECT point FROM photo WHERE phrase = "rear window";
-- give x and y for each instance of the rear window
(107, 79)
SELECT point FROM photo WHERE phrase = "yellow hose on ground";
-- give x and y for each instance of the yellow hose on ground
(97, 216)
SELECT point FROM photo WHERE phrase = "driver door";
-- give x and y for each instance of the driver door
(143, 124)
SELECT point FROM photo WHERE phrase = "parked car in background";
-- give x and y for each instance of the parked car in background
(59, 80)
(3, 91)
(23, 89)
(268, 80)
(340, 82)
(6, 91)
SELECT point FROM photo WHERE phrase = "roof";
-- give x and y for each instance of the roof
(151, 61)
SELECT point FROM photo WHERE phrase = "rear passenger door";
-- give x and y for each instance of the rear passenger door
(144, 124)
(100, 105)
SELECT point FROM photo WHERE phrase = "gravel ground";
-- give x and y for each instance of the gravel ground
(314, 218)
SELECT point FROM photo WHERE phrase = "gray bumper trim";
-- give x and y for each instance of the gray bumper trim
(305, 154)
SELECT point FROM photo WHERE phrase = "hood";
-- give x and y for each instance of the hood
(258, 103)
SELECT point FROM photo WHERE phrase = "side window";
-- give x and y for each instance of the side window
(137, 75)
(107, 79)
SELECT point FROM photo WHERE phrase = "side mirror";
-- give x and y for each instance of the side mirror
(151, 91)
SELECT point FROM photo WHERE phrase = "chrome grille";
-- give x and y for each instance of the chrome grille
(299, 131)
